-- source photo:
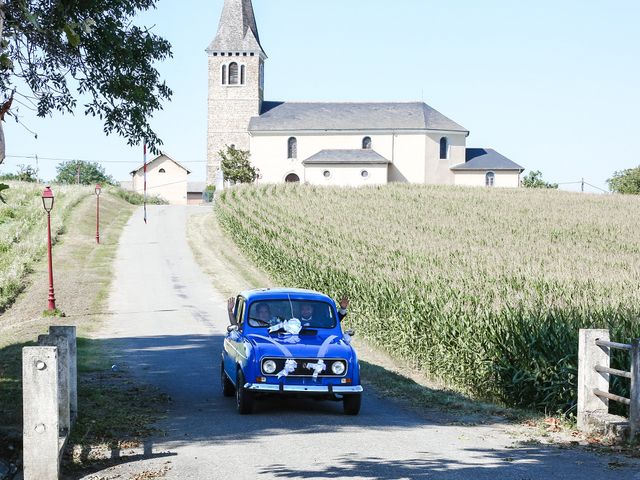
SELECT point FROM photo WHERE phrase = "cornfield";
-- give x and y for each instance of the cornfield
(23, 231)
(483, 289)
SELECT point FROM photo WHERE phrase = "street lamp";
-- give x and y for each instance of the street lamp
(47, 203)
(98, 191)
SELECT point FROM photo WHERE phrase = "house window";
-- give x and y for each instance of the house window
(326, 174)
(364, 174)
(233, 73)
(241, 74)
(292, 148)
(490, 179)
(366, 143)
(292, 178)
(444, 148)
(162, 170)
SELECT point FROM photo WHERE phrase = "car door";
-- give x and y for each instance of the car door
(233, 344)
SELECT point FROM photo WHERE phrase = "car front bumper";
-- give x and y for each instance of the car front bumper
(317, 389)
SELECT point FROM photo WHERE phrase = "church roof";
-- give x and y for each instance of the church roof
(294, 116)
(237, 30)
(364, 156)
(486, 159)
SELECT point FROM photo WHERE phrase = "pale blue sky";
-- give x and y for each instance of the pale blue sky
(555, 86)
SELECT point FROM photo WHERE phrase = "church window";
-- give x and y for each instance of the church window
(292, 178)
(242, 70)
(292, 148)
(224, 74)
(490, 179)
(233, 73)
(364, 174)
(444, 148)
(326, 174)
(366, 143)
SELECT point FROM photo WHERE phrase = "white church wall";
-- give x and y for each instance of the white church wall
(477, 178)
(437, 170)
(346, 175)
(408, 158)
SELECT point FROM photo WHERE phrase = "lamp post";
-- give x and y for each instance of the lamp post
(98, 191)
(47, 202)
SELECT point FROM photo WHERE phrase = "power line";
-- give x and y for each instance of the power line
(36, 157)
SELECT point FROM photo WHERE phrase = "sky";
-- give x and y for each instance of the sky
(554, 86)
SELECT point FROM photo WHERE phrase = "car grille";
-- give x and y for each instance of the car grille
(301, 370)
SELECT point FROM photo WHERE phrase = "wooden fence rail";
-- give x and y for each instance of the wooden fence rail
(594, 372)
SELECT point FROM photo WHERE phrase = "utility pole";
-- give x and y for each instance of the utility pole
(582, 185)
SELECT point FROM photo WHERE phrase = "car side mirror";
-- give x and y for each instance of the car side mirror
(351, 333)
(232, 328)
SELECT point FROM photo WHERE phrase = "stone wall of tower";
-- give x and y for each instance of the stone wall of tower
(231, 107)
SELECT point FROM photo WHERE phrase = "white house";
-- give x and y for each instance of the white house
(348, 144)
(166, 178)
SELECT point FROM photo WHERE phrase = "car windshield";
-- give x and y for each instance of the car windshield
(312, 314)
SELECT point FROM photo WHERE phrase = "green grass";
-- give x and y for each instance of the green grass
(482, 289)
(23, 231)
(135, 198)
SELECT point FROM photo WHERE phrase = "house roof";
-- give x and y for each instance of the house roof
(237, 30)
(368, 117)
(133, 172)
(325, 157)
(486, 159)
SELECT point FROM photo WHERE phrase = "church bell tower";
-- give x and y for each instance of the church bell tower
(236, 82)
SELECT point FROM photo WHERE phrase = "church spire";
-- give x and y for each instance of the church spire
(237, 31)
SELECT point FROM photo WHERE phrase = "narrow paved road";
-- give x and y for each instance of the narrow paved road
(168, 325)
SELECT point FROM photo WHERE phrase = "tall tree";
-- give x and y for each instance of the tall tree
(83, 173)
(65, 48)
(626, 181)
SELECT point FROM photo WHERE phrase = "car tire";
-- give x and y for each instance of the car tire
(244, 398)
(228, 389)
(351, 404)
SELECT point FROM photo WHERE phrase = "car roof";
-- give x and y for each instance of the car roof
(283, 294)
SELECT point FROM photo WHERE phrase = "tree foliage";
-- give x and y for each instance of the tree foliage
(534, 180)
(25, 173)
(85, 173)
(236, 166)
(90, 48)
(626, 181)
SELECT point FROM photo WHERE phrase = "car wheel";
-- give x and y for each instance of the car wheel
(227, 385)
(244, 398)
(351, 404)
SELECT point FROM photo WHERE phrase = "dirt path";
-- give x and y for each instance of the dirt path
(167, 326)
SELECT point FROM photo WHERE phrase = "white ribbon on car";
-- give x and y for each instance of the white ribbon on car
(317, 368)
(293, 326)
(289, 367)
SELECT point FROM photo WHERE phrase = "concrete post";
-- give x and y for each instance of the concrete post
(62, 345)
(40, 413)
(634, 408)
(590, 355)
(70, 333)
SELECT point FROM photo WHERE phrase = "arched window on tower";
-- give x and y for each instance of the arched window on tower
(444, 148)
(242, 79)
(292, 148)
(233, 73)
(224, 74)
(366, 143)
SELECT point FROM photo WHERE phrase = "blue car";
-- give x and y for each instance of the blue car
(289, 342)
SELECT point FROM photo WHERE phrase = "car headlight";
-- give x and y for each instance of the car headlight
(338, 368)
(269, 366)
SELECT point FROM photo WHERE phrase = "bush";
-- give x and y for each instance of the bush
(135, 198)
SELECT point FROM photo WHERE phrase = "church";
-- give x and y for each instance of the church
(339, 144)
